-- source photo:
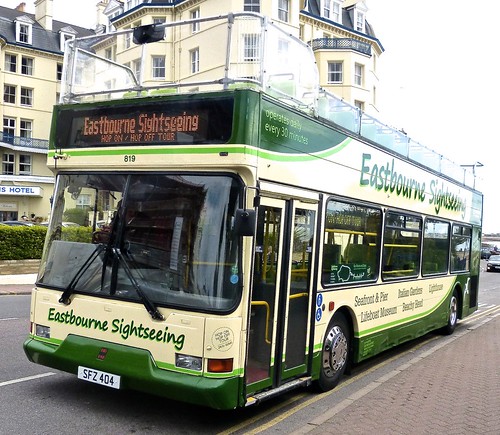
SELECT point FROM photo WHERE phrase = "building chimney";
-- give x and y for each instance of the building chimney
(21, 7)
(43, 13)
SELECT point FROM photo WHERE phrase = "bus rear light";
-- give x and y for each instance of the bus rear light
(42, 331)
(220, 365)
(188, 362)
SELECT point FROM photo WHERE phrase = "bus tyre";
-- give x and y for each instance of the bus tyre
(335, 353)
(452, 315)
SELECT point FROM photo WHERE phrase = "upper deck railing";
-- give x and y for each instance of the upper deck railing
(225, 52)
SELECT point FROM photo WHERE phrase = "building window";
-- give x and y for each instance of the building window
(336, 12)
(283, 51)
(195, 60)
(26, 97)
(10, 63)
(127, 42)
(9, 94)
(251, 50)
(26, 130)
(23, 33)
(59, 70)
(24, 164)
(9, 129)
(84, 201)
(283, 10)
(159, 20)
(195, 27)
(327, 8)
(63, 38)
(8, 164)
(159, 67)
(360, 21)
(358, 74)
(136, 67)
(335, 72)
(251, 6)
(27, 66)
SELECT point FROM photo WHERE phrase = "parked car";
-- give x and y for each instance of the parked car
(493, 263)
(485, 253)
(18, 223)
(64, 224)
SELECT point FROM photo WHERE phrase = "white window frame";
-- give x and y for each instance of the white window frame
(26, 97)
(10, 125)
(59, 71)
(27, 65)
(9, 97)
(194, 57)
(251, 47)
(195, 14)
(10, 61)
(336, 10)
(251, 6)
(284, 10)
(26, 128)
(360, 21)
(63, 37)
(136, 68)
(8, 163)
(25, 167)
(327, 8)
(358, 74)
(24, 32)
(332, 72)
(159, 67)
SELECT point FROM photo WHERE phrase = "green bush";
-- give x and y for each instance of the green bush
(21, 242)
(25, 243)
(77, 215)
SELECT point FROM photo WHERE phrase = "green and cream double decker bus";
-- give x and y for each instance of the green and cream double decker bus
(241, 231)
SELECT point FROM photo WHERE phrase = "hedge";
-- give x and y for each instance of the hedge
(26, 242)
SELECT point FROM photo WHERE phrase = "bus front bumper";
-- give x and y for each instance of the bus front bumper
(137, 371)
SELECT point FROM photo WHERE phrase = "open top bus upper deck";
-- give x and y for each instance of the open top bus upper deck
(248, 51)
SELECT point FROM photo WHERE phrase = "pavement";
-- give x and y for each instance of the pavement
(452, 386)
(17, 284)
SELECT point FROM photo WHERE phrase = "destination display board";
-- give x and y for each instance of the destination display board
(165, 122)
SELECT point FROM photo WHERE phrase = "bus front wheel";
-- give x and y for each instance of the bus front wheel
(335, 353)
(452, 315)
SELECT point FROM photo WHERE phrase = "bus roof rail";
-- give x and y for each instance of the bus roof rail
(247, 50)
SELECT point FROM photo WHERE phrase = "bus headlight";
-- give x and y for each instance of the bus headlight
(188, 362)
(42, 331)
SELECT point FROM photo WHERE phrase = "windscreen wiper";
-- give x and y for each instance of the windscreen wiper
(150, 307)
(64, 299)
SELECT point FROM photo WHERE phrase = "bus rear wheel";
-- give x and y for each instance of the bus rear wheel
(453, 314)
(335, 353)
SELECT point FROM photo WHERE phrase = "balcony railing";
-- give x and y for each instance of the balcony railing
(341, 44)
(24, 142)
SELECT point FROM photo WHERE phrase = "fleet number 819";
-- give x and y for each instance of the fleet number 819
(129, 158)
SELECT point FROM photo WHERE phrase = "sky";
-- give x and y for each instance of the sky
(437, 77)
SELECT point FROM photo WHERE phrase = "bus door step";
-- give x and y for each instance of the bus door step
(296, 383)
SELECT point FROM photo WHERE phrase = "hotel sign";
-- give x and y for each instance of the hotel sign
(21, 190)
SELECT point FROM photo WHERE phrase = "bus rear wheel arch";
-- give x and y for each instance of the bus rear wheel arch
(335, 353)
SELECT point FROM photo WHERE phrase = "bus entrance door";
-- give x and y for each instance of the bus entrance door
(279, 339)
